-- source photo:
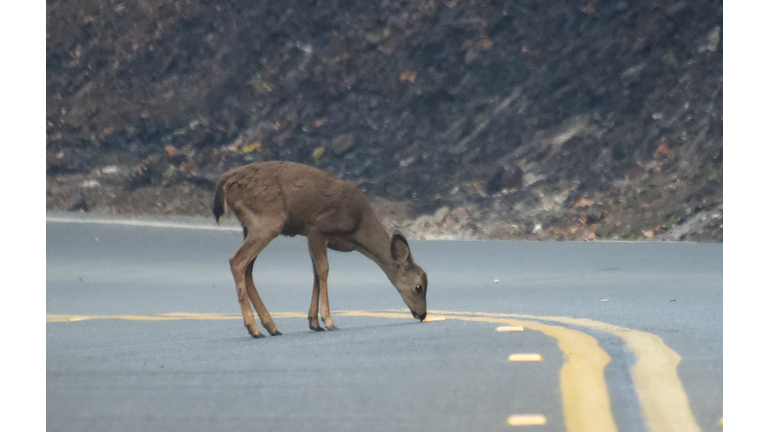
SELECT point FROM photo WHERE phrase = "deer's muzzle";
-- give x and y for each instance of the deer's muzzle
(419, 317)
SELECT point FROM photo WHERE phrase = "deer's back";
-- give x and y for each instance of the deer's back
(304, 197)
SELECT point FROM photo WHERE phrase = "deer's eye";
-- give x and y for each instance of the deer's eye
(419, 289)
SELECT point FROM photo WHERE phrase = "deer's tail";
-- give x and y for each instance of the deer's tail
(220, 200)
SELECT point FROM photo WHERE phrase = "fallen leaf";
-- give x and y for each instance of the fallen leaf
(589, 9)
(107, 131)
(529, 52)
(170, 151)
(662, 150)
(319, 122)
(142, 166)
(649, 233)
(485, 42)
(408, 75)
(318, 153)
(248, 148)
(188, 165)
(583, 202)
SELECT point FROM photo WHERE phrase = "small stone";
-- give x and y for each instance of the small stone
(440, 214)
(461, 214)
(342, 144)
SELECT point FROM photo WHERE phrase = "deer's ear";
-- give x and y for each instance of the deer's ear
(399, 248)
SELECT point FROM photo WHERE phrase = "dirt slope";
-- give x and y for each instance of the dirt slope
(479, 119)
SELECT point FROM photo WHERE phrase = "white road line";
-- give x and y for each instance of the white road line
(142, 223)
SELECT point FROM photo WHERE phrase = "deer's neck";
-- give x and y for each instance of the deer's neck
(372, 241)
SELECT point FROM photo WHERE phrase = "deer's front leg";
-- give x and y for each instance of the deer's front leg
(318, 248)
(314, 323)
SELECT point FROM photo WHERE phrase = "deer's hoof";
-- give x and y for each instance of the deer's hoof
(276, 333)
(318, 328)
(332, 328)
(255, 334)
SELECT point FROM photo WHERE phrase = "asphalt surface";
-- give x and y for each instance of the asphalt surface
(144, 333)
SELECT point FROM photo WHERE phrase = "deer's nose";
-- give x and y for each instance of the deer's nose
(419, 317)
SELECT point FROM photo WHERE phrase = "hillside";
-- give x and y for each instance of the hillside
(484, 119)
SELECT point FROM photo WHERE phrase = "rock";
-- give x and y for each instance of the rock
(461, 214)
(711, 42)
(440, 215)
(342, 144)
(503, 178)
(531, 178)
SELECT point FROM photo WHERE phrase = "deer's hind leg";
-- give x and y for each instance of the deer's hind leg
(241, 264)
(261, 310)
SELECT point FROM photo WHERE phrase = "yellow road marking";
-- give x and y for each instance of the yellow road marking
(586, 405)
(525, 357)
(430, 318)
(508, 328)
(527, 420)
(163, 317)
(663, 400)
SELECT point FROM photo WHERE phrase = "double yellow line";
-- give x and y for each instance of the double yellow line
(586, 403)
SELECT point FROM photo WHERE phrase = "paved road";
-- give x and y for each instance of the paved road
(144, 333)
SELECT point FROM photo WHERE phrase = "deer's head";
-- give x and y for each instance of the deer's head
(409, 279)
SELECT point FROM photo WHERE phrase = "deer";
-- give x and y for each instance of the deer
(276, 198)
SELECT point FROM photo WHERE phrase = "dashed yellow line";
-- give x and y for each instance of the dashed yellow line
(525, 357)
(527, 420)
(509, 328)
(586, 405)
(663, 400)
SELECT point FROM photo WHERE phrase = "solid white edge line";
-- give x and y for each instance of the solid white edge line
(142, 223)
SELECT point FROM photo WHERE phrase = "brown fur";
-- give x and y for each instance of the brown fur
(273, 198)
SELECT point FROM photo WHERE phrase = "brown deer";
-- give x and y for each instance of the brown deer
(278, 197)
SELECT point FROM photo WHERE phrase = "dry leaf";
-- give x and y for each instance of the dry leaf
(319, 122)
(248, 148)
(649, 233)
(583, 202)
(529, 52)
(662, 150)
(142, 166)
(318, 153)
(408, 75)
(485, 42)
(107, 131)
(170, 151)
